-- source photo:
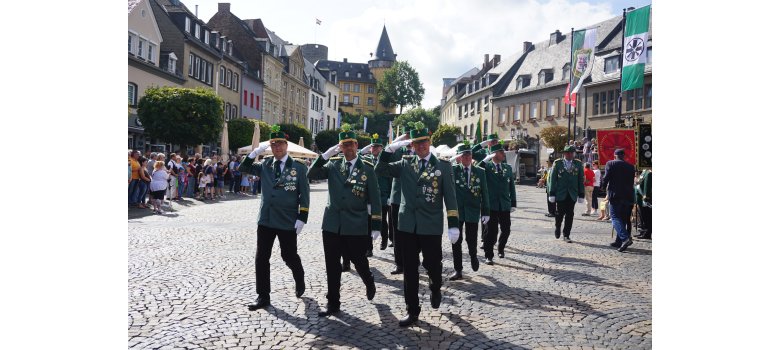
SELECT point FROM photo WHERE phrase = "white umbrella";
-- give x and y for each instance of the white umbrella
(451, 151)
(292, 149)
(225, 145)
(300, 141)
(256, 137)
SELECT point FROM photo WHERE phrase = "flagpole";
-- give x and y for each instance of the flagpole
(571, 68)
(620, 62)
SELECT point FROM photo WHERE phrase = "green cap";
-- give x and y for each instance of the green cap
(347, 134)
(465, 147)
(376, 141)
(497, 147)
(570, 148)
(493, 136)
(277, 134)
(418, 131)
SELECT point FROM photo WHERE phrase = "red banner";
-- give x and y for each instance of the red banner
(608, 140)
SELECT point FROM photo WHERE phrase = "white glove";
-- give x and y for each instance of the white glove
(331, 152)
(454, 234)
(484, 143)
(485, 219)
(369, 209)
(365, 150)
(551, 199)
(396, 145)
(489, 157)
(298, 226)
(401, 138)
(258, 151)
(580, 200)
(374, 235)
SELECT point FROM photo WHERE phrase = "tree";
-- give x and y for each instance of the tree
(430, 120)
(447, 135)
(240, 133)
(400, 86)
(554, 137)
(295, 131)
(185, 117)
(265, 130)
(326, 139)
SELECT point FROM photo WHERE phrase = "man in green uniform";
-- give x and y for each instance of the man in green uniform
(644, 200)
(567, 187)
(473, 206)
(395, 202)
(480, 150)
(371, 152)
(425, 183)
(503, 199)
(284, 209)
(353, 195)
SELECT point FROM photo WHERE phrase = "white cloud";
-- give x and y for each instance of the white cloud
(440, 39)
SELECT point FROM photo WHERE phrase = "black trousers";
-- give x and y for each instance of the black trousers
(430, 246)
(288, 244)
(397, 253)
(550, 206)
(471, 241)
(565, 210)
(385, 225)
(594, 202)
(353, 247)
(497, 218)
(645, 214)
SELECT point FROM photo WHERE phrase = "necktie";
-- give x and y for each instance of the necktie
(422, 166)
(468, 179)
(498, 168)
(277, 169)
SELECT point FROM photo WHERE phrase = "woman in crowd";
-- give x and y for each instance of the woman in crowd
(589, 180)
(143, 183)
(219, 175)
(159, 185)
(174, 179)
(208, 174)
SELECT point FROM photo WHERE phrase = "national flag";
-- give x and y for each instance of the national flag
(583, 42)
(478, 136)
(318, 21)
(635, 48)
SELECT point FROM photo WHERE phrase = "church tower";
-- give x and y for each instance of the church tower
(383, 58)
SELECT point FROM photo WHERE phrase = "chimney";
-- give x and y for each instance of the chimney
(345, 60)
(223, 7)
(484, 64)
(527, 46)
(196, 11)
(555, 37)
(496, 59)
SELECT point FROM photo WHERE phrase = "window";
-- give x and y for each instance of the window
(150, 53)
(566, 72)
(371, 89)
(639, 96)
(460, 114)
(648, 96)
(479, 104)
(356, 100)
(356, 87)
(329, 100)
(486, 103)
(229, 82)
(611, 101)
(502, 115)
(476, 85)
(192, 64)
(649, 55)
(141, 46)
(197, 67)
(206, 37)
(132, 94)
(346, 87)
(130, 40)
(516, 115)
(595, 104)
(484, 127)
(346, 98)
(551, 107)
(251, 99)
(370, 76)
(346, 74)
(611, 64)
(197, 31)
(234, 112)
(187, 24)
(603, 108)
(534, 107)
(630, 100)
(222, 75)
(370, 101)
(359, 75)
(311, 104)
(466, 130)
(235, 81)
(257, 102)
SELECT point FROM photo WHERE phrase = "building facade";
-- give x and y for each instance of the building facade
(316, 113)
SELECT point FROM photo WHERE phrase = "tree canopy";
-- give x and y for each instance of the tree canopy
(294, 132)
(240, 132)
(426, 116)
(554, 137)
(180, 116)
(400, 87)
(447, 135)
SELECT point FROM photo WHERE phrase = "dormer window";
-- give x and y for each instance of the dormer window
(522, 81)
(346, 74)
(371, 76)
(206, 37)
(187, 24)
(545, 76)
(172, 63)
(566, 72)
(224, 44)
(230, 47)
(359, 75)
(611, 64)
(197, 31)
(476, 85)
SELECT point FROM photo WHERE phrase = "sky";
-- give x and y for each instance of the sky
(440, 39)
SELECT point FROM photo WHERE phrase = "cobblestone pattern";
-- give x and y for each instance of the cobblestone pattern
(191, 272)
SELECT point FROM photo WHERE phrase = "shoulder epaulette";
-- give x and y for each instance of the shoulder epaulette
(556, 161)
(268, 156)
(369, 163)
(577, 160)
(300, 160)
(335, 158)
(408, 156)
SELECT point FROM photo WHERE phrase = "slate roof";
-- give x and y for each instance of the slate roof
(342, 67)
(311, 71)
(384, 50)
(131, 4)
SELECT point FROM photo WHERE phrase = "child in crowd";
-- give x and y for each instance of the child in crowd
(202, 180)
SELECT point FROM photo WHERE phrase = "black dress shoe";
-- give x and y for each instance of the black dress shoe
(557, 234)
(435, 299)
(391, 244)
(408, 320)
(330, 310)
(259, 304)
(369, 253)
(549, 215)
(615, 244)
(644, 236)
(299, 290)
(566, 239)
(489, 261)
(501, 254)
(455, 276)
(625, 245)
(474, 264)
(397, 271)
(383, 246)
(371, 291)
(482, 246)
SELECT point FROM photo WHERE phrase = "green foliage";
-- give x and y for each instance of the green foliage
(240, 133)
(400, 87)
(430, 120)
(326, 139)
(265, 131)
(187, 117)
(295, 131)
(447, 135)
(554, 137)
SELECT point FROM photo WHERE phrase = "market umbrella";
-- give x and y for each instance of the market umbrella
(256, 137)
(292, 149)
(300, 141)
(225, 145)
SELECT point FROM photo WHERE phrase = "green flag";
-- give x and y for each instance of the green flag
(635, 48)
(478, 136)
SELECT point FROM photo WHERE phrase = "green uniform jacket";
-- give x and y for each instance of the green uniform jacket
(385, 183)
(472, 195)
(285, 199)
(395, 188)
(478, 153)
(422, 192)
(646, 186)
(564, 183)
(501, 188)
(348, 196)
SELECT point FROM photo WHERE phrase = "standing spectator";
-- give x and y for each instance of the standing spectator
(208, 173)
(192, 182)
(173, 181)
(594, 201)
(245, 183)
(618, 180)
(135, 177)
(143, 183)
(159, 185)
(589, 179)
(227, 174)
(219, 174)
(645, 189)
(237, 178)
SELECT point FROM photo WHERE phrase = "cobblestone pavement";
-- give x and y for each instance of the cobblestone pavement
(191, 272)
